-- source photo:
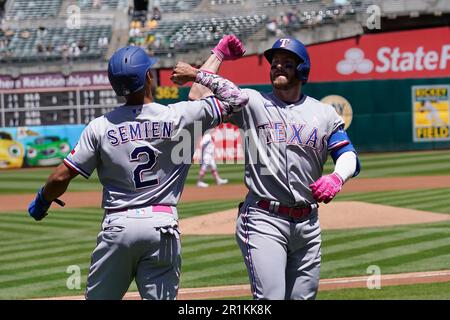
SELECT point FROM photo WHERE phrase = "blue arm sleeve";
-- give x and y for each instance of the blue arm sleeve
(339, 143)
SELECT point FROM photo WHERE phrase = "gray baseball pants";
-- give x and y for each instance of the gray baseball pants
(136, 244)
(282, 257)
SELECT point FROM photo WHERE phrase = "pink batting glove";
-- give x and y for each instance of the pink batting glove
(229, 48)
(326, 188)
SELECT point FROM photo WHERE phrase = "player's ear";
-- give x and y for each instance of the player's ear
(151, 83)
(149, 75)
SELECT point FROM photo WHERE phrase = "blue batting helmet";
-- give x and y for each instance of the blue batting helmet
(127, 69)
(296, 47)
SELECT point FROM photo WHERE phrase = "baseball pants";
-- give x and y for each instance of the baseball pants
(282, 257)
(136, 244)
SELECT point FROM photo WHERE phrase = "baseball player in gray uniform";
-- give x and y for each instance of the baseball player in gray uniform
(288, 136)
(132, 148)
(208, 162)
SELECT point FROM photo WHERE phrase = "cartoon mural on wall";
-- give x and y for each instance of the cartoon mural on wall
(46, 151)
(37, 146)
(11, 152)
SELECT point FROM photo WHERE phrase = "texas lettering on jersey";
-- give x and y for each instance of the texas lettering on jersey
(140, 131)
(294, 134)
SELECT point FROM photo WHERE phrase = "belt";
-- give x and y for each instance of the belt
(155, 208)
(293, 212)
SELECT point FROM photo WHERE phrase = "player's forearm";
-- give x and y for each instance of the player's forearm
(346, 165)
(58, 182)
(197, 90)
(223, 90)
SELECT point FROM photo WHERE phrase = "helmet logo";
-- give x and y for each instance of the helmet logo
(284, 42)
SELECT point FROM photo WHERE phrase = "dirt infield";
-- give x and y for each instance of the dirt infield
(338, 215)
(324, 285)
(233, 192)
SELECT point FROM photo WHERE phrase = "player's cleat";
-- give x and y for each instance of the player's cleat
(222, 181)
(202, 184)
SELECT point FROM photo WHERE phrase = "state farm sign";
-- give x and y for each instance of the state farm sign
(393, 59)
(406, 54)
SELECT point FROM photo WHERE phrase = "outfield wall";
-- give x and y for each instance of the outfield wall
(392, 88)
(382, 116)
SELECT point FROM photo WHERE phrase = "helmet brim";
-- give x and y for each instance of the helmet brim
(270, 52)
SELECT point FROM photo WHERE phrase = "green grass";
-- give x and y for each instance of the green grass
(401, 164)
(29, 181)
(373, 166)
(190, 209)
(435, 200)
(425, 291)
(34, 257)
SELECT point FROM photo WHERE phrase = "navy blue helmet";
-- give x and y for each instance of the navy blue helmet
(127, 70)
(296, 47)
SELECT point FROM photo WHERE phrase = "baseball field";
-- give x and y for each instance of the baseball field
(393, 219)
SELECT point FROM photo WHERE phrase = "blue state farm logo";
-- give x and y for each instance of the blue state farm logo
(342, 106)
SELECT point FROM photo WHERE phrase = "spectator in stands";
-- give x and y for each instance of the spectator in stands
(284, 18)
(40, 47)
(50, 48)
(64, 52)
(157, 43)
(156, 13)
(102, 42)
(272, 29)
(182, 5)
(82, 45)
(150, 51)
(9, 33)
(135, 31)
(294, 18)
(41, 32)
(74, 51)
(96, 4)
(25, 34)
(151, 24)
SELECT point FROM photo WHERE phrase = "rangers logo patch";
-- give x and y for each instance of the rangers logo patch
(75, 149)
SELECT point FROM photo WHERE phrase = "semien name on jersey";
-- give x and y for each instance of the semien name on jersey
(140, 131)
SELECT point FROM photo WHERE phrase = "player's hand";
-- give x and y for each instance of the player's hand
(38, 207)
(183, 73)
(229, 48)
(326, 188)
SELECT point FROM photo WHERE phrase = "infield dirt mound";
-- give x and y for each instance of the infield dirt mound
(337, 215)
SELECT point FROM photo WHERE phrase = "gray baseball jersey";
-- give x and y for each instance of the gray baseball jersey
(286, 148)
(286, 145)
(133, 149)
(142, 155)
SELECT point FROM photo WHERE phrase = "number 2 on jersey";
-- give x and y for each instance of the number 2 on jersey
(142, 168)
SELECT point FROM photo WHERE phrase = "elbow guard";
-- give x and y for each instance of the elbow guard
(339, 143)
